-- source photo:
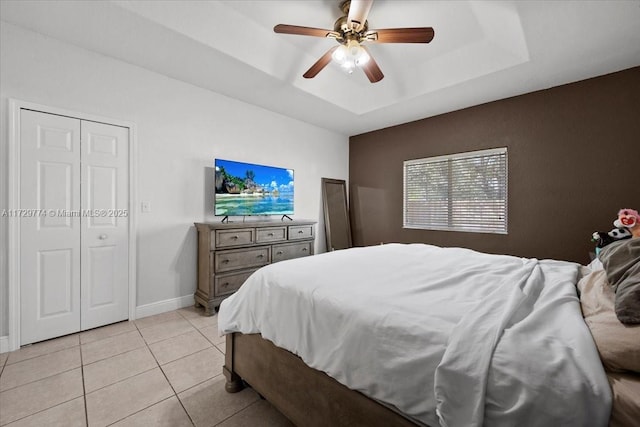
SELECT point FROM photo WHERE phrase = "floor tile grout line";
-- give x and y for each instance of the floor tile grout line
(200, 383)
(164, 339)
(39, 355)
(117, 354)
(81, 345)
(238, 412)
(158, 365)
(210, 342)
(205, 337)
(123, 379)
(40, 411)
(172, 388)
(159, 323)
(3, 365)
(143, 409)
(42, 378)
(182, 357)
(84, 390)
(108, 336)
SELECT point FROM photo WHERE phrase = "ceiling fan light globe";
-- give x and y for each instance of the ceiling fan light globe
(340, 54)
(362, 58)
(347, 65)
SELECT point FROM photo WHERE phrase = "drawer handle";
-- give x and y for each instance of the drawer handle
(304, 249)
(225, 261)
(300, 231)
(279, 253)
(234, 237)
(225, 284)
(270, 234)
(261, 256)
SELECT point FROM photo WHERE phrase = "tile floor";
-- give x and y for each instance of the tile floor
(163, 370)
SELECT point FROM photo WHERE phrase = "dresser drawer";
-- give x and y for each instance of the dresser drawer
(291, 250)
(271, 234)
(241, 258)
(235, 237)
(300, 232)
(228, 283)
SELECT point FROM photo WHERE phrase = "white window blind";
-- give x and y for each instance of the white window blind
(458, 192)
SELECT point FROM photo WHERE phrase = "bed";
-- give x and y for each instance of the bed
(417, 335)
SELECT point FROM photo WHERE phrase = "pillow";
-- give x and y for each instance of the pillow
(621, 261)
(618, 344)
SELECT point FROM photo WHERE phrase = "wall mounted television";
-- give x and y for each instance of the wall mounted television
(243, 189)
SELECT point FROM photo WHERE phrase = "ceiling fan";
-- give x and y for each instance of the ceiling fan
(352, 31)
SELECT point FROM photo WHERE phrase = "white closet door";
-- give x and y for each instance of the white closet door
(104, 244)
(49, 240)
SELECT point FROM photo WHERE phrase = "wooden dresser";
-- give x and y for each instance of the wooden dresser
(228, 253)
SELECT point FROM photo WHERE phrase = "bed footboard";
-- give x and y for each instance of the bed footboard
(304, 395)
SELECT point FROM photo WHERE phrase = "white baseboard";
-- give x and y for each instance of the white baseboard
(4, 344)
(164, 306)
(141, 311)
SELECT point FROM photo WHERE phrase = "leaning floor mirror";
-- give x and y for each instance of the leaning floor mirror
(336, 214)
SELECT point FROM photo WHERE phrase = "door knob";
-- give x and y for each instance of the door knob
(102, 237)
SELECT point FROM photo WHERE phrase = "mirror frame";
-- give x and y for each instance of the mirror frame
(327, 221)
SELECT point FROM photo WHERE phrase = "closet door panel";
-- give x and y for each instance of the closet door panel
(104, 246)
(49, 226)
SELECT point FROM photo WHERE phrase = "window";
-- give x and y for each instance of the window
(457, 192)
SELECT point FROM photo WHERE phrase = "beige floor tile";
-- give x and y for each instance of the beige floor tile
(208, 403)
(194, 369)
(204, 321)
(146, 322)
(211, 332)
(119, 400)
(40, 367)
(191, 311)
(37, 396)
(3, 359)
(222, 347)
(183, 345)
(106, 331)
(166, 330)
(168, 413)
(261, 413)
(68, 414)
(112, 346)
(42, 348)
(117, 368)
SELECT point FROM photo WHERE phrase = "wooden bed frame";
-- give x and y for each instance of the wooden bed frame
(306, 396)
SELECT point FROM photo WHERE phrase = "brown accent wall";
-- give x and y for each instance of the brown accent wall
(574, 161)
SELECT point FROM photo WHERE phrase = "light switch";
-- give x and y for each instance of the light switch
(146, 207)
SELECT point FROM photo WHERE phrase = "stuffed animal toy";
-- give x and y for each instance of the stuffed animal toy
(627, 226)
(630, 219)
(603, 238)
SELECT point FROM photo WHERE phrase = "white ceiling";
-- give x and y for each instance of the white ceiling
(482, 51)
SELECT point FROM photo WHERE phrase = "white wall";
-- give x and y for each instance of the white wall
(181, 129)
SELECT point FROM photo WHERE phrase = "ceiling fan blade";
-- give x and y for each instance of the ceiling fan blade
(358, 12)
(371, 69)
(320, 64)
(304, 31)
(403, 35)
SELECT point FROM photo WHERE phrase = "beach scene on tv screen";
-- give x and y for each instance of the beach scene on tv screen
(249, 189)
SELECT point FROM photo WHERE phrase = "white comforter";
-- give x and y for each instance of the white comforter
(446, 335)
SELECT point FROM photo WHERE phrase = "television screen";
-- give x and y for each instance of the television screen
(248, 189)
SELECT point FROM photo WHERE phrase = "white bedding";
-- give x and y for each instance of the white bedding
(446, 335)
